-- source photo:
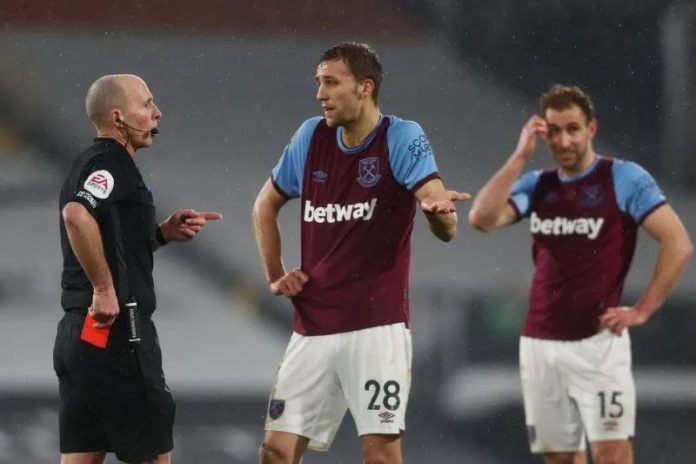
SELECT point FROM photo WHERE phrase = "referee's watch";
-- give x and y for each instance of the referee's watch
(159, 236)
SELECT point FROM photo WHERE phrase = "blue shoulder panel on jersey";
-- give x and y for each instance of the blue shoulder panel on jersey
(637, 192)
(522, 191)
(410, 154)
(288, 173)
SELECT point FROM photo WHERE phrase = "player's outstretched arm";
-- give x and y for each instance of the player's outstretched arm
(86, 242)
(491, 209)
(676, 249)
(438, 204)
(265, 220)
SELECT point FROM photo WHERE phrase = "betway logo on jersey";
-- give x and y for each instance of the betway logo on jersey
(336, 212)
(564, 226)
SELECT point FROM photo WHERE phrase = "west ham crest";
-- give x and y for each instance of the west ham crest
(368, 172)
(276, 408)
(591, 196)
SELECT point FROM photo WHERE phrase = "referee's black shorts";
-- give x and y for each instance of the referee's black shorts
(114, 399)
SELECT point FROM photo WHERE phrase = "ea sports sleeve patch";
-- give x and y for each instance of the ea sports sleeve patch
(100, 184)
(104, 182)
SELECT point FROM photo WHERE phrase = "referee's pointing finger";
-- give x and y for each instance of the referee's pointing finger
(210, 215)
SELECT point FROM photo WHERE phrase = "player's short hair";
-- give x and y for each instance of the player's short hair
(361, 59)
(561, 97)
(103, 95)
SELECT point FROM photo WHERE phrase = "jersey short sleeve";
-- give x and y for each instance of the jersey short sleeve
(410, 154)
(288, 173)
(103, 181)
(637, 193)
(522, 191)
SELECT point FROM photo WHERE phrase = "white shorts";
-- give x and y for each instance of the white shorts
(366, 371)
(573, 388)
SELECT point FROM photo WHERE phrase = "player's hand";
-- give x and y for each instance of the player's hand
(535, 127)
(184, 224)
(618, 318)
(443, 202)
(290, 284)
(104, 307)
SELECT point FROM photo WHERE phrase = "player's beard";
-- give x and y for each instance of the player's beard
(348, 113)
(571, 159)
(340, 119)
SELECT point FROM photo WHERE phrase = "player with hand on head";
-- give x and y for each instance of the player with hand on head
(575, 355)
(360, 176)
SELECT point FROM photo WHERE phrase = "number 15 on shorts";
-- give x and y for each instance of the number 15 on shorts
(610, 404)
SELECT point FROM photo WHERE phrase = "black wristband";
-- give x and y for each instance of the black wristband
(159, 236)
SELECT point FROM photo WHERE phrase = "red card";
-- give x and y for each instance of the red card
(93, 335)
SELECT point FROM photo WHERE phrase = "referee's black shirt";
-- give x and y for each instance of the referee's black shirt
(107, 182)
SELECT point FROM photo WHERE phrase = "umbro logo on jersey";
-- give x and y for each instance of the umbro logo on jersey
(336, 212)
(386, 417)
(319, 176)
(591, 227)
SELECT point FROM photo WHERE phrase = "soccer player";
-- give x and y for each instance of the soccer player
(575, 355)
(113, 395)
(360, 176)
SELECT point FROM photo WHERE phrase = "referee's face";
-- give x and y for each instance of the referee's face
(141, 113)
(338, 92)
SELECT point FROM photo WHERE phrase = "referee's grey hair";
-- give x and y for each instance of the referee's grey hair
(103, 95)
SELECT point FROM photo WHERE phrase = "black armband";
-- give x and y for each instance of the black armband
(159, 236)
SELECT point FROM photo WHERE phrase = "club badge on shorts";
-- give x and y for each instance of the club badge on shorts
(276, 408)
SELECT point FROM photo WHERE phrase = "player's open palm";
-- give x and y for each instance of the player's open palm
(443, 202)
(290, 284)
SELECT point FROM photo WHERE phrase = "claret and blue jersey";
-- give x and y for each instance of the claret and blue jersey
(584, 232)
(357, 213)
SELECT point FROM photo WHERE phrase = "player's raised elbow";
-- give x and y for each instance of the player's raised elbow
(480, 221)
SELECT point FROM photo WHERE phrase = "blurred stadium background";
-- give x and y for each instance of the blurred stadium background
(234, 79)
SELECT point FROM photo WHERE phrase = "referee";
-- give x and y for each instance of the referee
(113, 395)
